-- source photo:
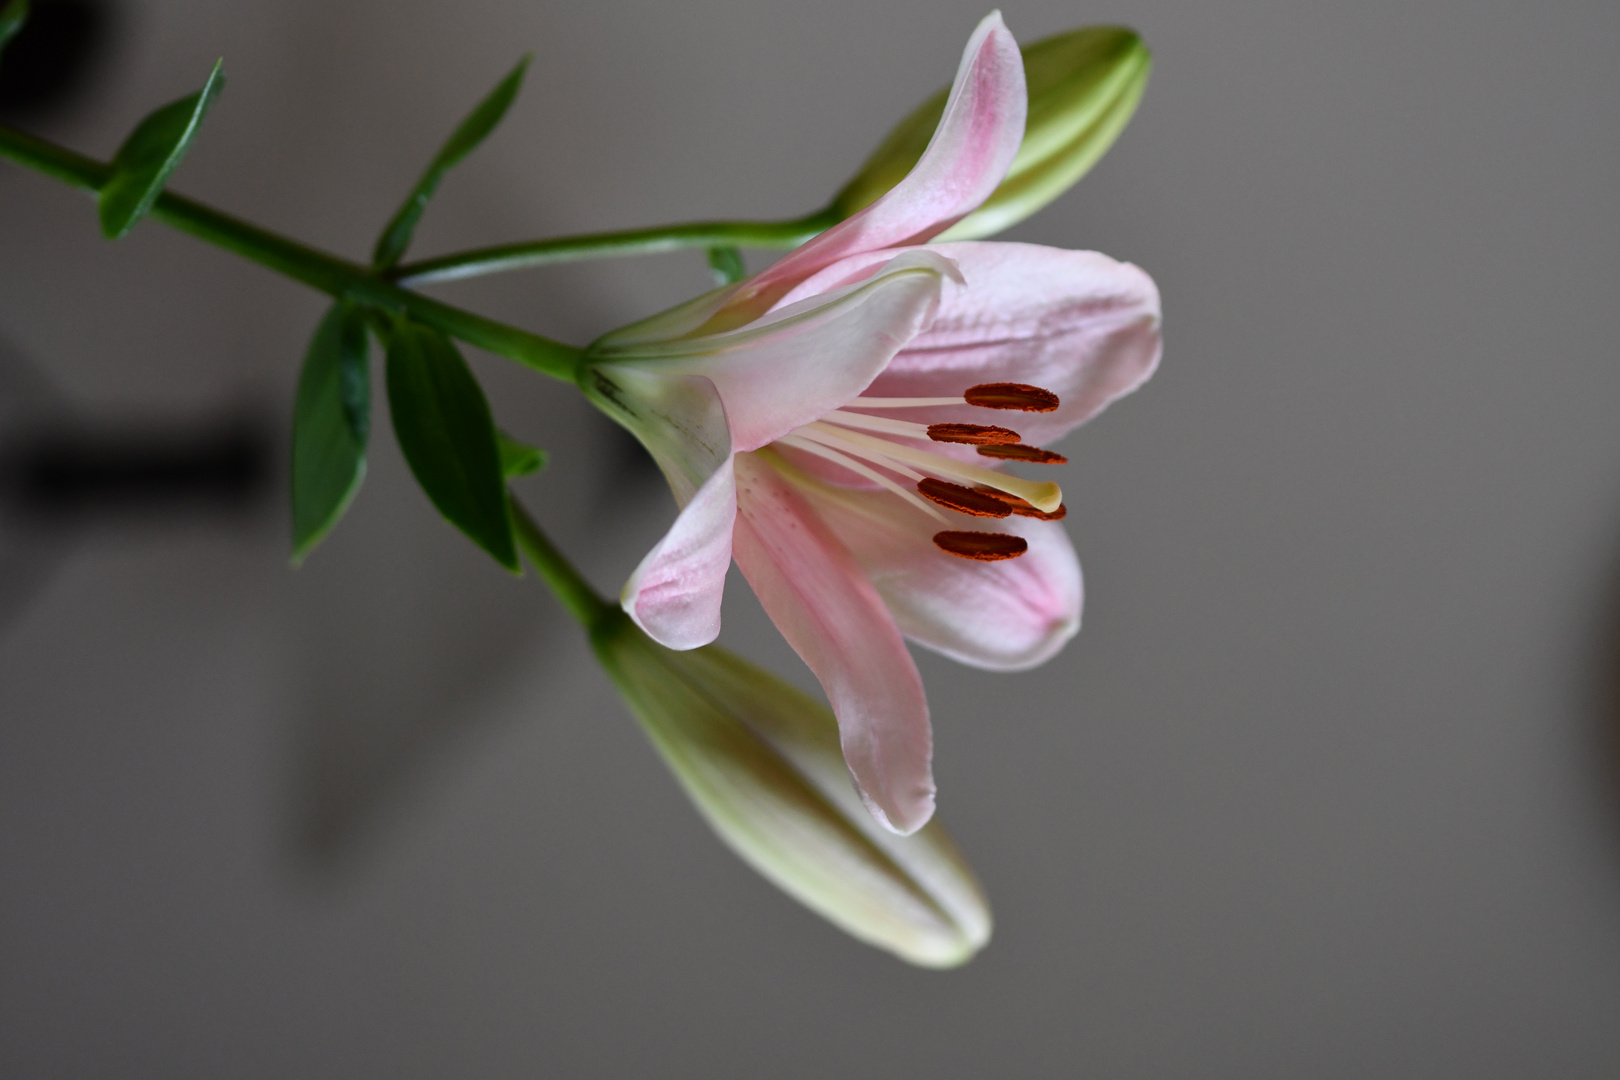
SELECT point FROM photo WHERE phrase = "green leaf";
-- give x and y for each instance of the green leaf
(330, 420)
(12, 17)
(479, 123)
(443, 425)
(143, 164)
(518, 458)
(727, 264)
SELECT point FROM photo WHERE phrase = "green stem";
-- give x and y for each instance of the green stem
(574, 591)
(328, 273)
(650, 241)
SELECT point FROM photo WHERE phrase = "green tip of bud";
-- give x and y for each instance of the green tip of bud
(1083, 88)
(761, 761)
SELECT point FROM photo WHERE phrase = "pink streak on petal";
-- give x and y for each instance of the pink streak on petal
(1003, 616)
(828, 611)
(973, 147)
(1075, 322)
(674, 595)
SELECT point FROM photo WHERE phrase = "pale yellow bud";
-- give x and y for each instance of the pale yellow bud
(1083, 88)
(761, 762)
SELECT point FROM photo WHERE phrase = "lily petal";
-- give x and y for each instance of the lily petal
(823, 604)
(1002, 616)
(802, 361)
(674, 595)
(1075, 322)
(977, 139)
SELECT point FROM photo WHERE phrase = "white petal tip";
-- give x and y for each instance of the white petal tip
(672, 633)
(901, 823)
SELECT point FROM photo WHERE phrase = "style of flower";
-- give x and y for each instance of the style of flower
(826, 424)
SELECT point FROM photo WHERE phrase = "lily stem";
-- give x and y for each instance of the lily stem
(648, 241)
(576, 594)
(330, 274)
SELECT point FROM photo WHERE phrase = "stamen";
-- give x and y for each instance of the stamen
(830, 437)
(856, 467)
(1011, 395)
(964, 500)
(902, 402)
(972, 434)
(985, 547)
(1023, 509)
(1044, 494)
(877, 423)
(1020, 452)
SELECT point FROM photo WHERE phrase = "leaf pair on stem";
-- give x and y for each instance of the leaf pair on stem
(440, 414)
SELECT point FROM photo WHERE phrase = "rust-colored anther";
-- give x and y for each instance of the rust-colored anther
(973, 434)
(964, 500)
(1011, 395)
(1020, 452)
(985, 547)
(1021, 508)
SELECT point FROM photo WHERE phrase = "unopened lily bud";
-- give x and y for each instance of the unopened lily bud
(1083, 88)
(762, 763)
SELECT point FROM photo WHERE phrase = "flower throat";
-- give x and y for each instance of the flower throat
(866, 446)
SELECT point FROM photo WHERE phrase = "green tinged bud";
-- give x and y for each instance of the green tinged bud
(762, 763)
(1083, 88)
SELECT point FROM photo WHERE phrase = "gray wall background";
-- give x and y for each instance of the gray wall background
(1324, 788)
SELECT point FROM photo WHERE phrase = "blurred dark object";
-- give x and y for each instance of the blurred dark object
(53, 59)
(67, 473)
(28, 553)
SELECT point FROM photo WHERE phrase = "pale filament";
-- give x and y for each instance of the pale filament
(1042, 494)
(904, 428)
(878, 458)
(812, 446)
(903, 402)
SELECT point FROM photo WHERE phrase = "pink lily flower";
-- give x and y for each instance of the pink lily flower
(824, 423)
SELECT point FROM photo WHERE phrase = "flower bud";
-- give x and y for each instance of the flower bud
(1083, 88)
(762, 763)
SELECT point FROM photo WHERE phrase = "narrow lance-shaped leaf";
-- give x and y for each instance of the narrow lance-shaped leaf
(518, 458)
(12, 17)
(727, 264)
(151, 153)
(330, 422)
(443, 424)
(479, 123)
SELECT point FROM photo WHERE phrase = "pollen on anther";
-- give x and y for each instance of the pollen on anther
(1011, 395)
(973, 434)
(1022, 507)
(964, 500)
(982, 546)
(1020, 452)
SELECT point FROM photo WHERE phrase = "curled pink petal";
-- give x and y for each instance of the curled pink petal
(822, 602)
(674, 595)
(972, 149)
(1074, 322)
(1003, 616)
(801, 361)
